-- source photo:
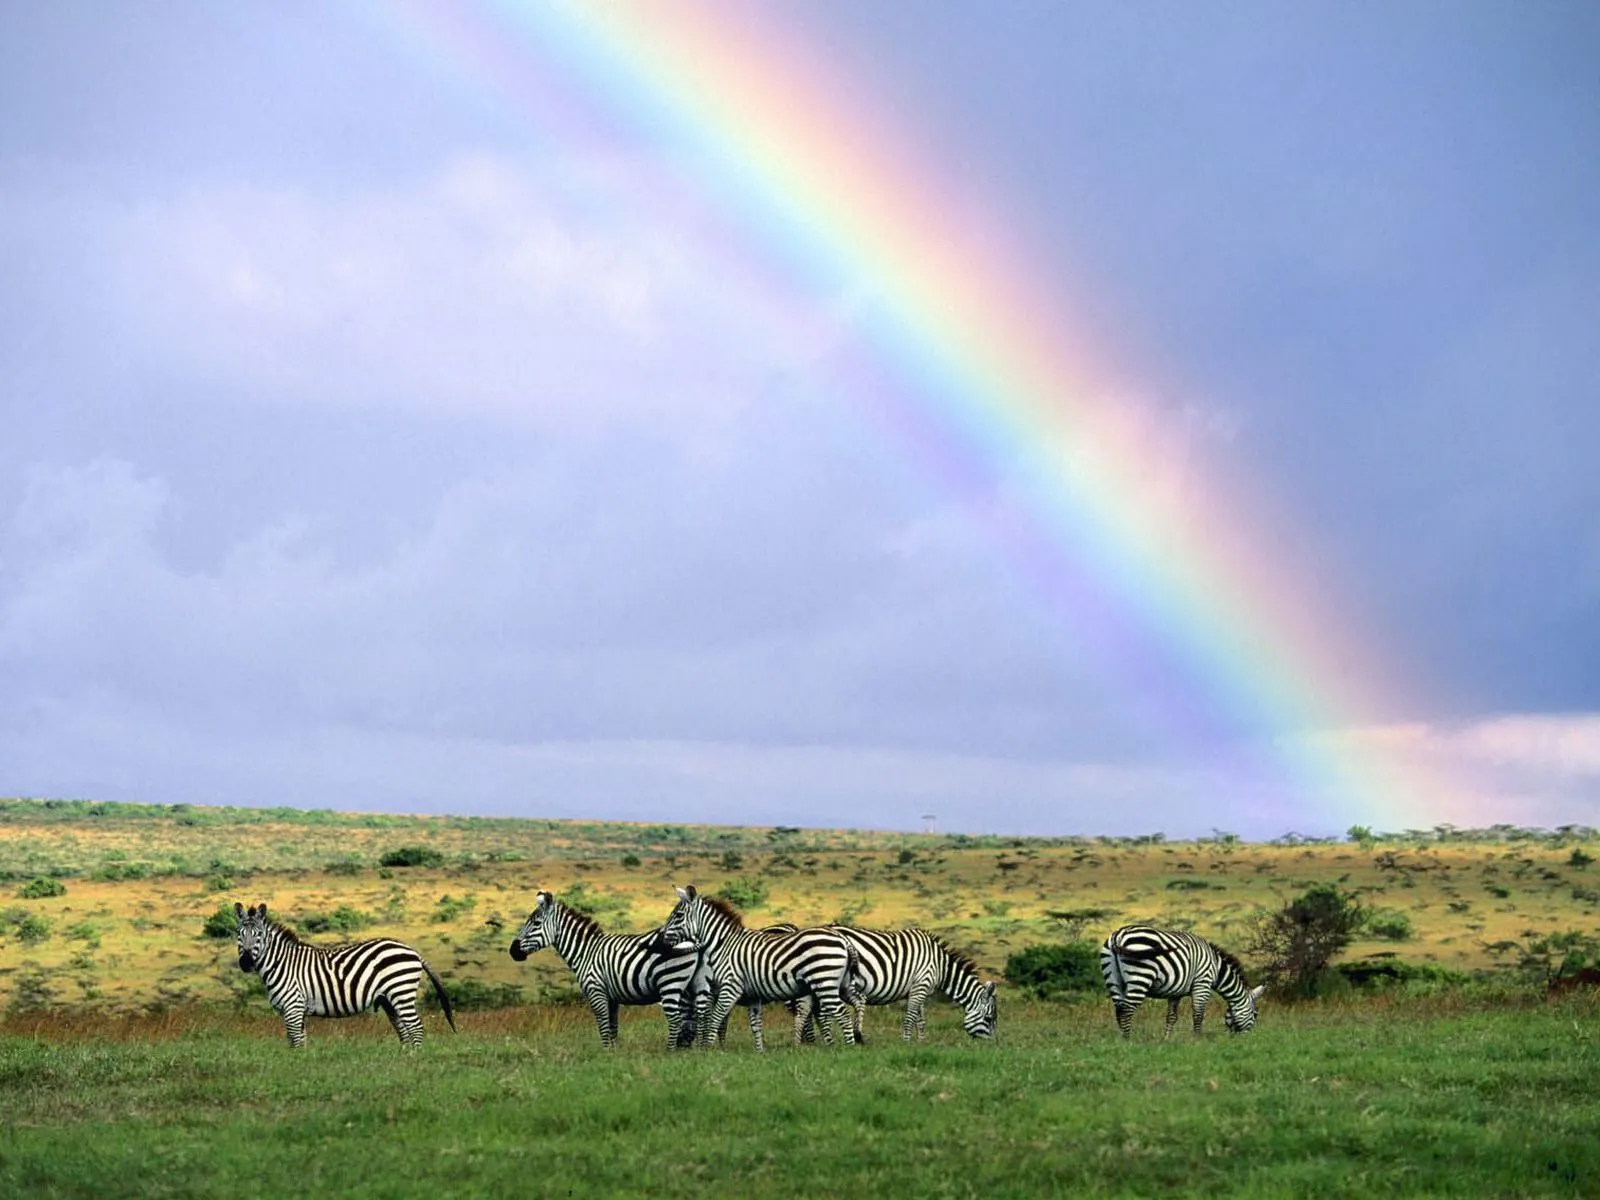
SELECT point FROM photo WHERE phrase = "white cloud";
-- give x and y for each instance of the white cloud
(485, 290)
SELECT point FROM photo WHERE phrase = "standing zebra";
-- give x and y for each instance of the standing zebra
(1140, 960)
(911, 965)
(747, 966)
(335, 981)
(613, 969)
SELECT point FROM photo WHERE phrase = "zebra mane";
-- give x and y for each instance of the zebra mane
(284, 931)
(581, 919)
(960, 960)
(1230, 962)
(726, 909)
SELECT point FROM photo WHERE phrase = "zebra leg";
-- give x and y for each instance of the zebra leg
(1125, 1007)
(833, 1010)
(1202, 997)
(604, 1015)
(1172, 1016)
(294, 1022)
(403, 1017)
(802, 1020)
(915, 1018)
(755, 1027)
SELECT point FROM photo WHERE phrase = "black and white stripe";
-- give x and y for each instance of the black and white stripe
(335, 981)
(1141, 960)
(613, 969)
(911, 965)
(754, 968)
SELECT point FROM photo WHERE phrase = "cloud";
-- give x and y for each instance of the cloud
(486, 289)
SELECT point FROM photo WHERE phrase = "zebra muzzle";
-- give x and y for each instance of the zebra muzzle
(517, 952)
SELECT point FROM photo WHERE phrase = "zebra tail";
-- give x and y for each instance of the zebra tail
(444, 996)
(854, 986)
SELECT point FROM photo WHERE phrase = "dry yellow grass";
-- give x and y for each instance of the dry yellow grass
(132, 943)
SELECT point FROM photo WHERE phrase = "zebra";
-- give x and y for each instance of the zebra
(614, 969)
(335, 981)
(1141, 960)
(746, 966)
(701, 991)
(911, 965)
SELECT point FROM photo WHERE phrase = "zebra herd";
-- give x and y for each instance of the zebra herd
(703, 960)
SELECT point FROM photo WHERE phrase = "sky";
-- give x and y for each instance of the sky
(1008, 417)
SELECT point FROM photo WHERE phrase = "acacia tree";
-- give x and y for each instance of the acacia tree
(1296, 943)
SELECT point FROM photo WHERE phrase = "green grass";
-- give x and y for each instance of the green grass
(1446, 1096)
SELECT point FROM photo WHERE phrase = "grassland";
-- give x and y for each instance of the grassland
(1398, 1096)
(136, 1060)
(139, 882)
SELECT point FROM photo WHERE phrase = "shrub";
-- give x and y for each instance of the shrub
(1299, 940)
(1053, 972)
(469, 994)
(744, 893)
(1385, 970)
(343, 919)
(350, 865)
(449, 908)
(1388, 924)
(42, 888)
(631, 860)
(602, 906)
(224, 923)
(1578, 859)
(412, 856)
(731, 860)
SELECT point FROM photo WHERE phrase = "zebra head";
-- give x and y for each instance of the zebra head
(981, 1012)
(538, 931)
(1241, 1014)
(252, 937)
(687, 923)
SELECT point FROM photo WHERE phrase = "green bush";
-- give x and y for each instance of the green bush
(744, 893)
(412, 856)
(1297, 942)
(449, 908)
(224, 923)
(1388, 924)
(42, 888)
(343, 919)
(29, 928)
(1387, 971)
(469, 994)
(1054, 972)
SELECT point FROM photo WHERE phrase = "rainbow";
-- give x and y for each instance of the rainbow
(998, 386)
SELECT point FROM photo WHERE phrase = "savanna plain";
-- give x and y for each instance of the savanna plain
(137, 1060)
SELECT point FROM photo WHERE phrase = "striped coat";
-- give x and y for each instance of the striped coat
(747, 966)
(335, 981)
(613, 969)
(911, 965)
(1141, 960)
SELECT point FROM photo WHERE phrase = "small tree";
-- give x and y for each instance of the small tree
(1296, 943)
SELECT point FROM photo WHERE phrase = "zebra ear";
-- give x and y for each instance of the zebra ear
(544, 899)
(989, 987)
(685, 893)
(263, 908)
(238, 909)
(1255, 993)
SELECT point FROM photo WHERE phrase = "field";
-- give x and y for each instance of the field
(1419, 1097)
(136, 1059)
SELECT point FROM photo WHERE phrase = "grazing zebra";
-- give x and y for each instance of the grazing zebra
(1140, 960)
(911, 965)
(613, 969)
(747, 966)
(335, 981)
